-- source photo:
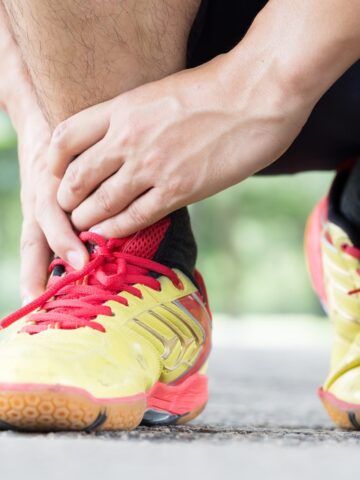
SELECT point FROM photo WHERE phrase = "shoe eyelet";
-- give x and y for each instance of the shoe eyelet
(180, 285)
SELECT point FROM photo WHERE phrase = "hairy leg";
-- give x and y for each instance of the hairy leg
(82, 53)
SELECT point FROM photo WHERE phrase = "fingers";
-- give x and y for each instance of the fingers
(58, 231)
(144, 211)
(35, 255)
(110, 198)
(85, 173)
(76, 134)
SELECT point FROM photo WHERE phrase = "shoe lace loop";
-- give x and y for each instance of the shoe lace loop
(76, 298)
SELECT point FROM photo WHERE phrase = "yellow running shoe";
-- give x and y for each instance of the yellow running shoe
(334, 265)
(123, 341)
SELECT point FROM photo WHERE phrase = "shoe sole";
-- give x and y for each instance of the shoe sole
(48, 408)
(343, 414)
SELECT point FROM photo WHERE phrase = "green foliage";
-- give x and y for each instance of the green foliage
(9, 230)
(7, 133)
(251, 244)
(250, 239)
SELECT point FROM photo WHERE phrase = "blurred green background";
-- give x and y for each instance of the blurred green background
(250, 239)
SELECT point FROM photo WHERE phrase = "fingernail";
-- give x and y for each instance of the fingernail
(97, 229)
(75, 259)
(26, 301)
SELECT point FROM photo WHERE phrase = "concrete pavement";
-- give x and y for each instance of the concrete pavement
(263, 419)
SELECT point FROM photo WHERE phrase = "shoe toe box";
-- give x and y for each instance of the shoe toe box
(105, 365)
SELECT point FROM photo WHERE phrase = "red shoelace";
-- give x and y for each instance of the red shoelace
(76, 298)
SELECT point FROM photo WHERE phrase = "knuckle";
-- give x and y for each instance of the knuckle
(121, 103)
(136, 215)
(155, 158)
(128, 137)
(148, 161)
(170, 187)
(59, 137)
(73, 179)
(177, 185)
(103, 200)
(125, 139)
(113, 227)
(27, 243)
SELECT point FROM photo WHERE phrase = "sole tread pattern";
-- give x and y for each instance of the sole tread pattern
(56, 411)
(46, 411)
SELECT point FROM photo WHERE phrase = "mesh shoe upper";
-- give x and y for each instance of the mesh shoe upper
(118, 326)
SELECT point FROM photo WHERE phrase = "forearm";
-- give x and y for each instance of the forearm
(305, 45)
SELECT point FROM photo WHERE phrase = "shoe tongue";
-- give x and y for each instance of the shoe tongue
(145, 243)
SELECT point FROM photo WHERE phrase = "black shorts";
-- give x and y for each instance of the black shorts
(332, 133)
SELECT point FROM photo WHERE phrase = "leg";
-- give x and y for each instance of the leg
(127, 375)
(81, 53)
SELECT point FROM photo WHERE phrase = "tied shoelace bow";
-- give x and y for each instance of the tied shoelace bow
(355, 253)
(77, 297)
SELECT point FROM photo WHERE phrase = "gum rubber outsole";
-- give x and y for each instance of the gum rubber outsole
(344, 415)
(46, 410)
(42, 408)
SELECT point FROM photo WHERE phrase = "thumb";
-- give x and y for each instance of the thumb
(35, 257)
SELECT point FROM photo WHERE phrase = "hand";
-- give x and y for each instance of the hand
(44, 222)
(45, 227)
(174, 142)
(128, 162)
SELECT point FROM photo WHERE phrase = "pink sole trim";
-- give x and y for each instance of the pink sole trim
(25, 387)
(341, 404)
(179, 399)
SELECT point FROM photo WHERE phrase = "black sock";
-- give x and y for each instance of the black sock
(178, 248)
(350, 198)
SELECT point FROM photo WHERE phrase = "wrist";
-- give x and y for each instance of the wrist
(301, 48)
(254, 78)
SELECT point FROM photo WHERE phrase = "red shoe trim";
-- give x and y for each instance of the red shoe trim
(179, 399)
(313, 253)
(200, 281)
